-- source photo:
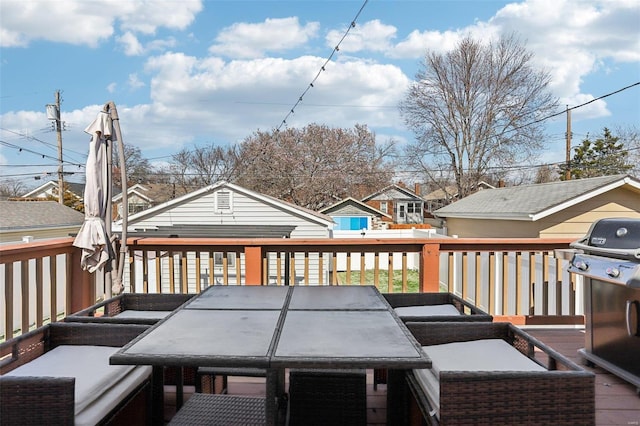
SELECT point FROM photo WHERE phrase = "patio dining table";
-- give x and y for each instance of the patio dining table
(279, 327)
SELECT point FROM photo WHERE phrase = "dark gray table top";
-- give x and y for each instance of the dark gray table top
(335, 297)
(317, 327)
(201, 337)
(334, 339)
(240, 297)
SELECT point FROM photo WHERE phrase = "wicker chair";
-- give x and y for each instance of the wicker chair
(51, 400)
(561, 394)
(467, 313)
(144, 308)
(137, 308)
(327, 397)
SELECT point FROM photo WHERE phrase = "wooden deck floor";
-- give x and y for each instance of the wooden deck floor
(617, 403)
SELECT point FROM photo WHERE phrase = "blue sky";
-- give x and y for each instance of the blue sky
(184, 73)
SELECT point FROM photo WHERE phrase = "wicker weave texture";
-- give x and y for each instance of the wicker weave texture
(327, 397)
(564, 395)
(207, 409)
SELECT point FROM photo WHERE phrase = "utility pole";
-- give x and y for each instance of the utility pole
(567, 174)
(60, 167)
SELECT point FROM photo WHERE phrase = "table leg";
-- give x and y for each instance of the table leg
(397, 398)
(276, 403)
(179, 387)
(157, 396)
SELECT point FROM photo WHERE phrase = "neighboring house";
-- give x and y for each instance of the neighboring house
(225, 210)
(350, 214)
(444, 196)
(25, 220)
(547, 210)
(50, 190)
(404, 205)
(144, 196)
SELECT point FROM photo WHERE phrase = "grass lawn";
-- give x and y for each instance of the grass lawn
(383, 280)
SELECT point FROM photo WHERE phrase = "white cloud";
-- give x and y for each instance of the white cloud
(111, 88)
(372, 35)
(130, 44)
(134, 82)
(89, 23)
(252, 40)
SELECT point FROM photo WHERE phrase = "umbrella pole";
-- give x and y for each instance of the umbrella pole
(116, 285)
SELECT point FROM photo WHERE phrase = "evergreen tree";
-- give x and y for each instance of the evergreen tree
(603, 157)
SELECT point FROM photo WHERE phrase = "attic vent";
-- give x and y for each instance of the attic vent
(223, 201)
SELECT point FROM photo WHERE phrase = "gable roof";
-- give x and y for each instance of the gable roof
(155, 193)
(533, 202)
(358, 205)
(301, 211)
(394, 188)
(75, 187)
(17, 215)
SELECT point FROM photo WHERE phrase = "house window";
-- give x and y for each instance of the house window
(223, 201)
(136, 207)
(383, 207)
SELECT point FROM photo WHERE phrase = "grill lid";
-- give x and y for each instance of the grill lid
(616, 237)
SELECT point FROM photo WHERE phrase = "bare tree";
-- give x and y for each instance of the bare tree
(137, 167)
(474, 109)
(315, 166)
(203, 166)
(11, 188)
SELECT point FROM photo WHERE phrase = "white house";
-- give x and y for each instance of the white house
(225, 210)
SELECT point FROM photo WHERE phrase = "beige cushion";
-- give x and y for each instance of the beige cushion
(100, 407)
(476, 355)
(427, 310)
(88, 364)
(130, 313)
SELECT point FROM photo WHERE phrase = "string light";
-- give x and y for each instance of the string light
(322, 68)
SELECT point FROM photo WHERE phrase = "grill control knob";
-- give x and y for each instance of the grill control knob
(613, 272)
(581, 264)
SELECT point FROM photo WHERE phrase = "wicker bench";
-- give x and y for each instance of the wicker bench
(430, 307)
(210, 409)
(555, 391)
(60, 374)
(327, 397)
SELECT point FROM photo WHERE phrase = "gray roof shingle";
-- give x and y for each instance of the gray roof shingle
(15, 215)
(527, 201)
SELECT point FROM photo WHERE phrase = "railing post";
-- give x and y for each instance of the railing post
(81, 288)
(430, 268)
(253, 265)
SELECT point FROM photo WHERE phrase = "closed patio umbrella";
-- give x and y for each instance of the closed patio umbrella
(94, 237)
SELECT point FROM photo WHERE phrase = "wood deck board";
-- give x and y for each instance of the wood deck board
(617, 403)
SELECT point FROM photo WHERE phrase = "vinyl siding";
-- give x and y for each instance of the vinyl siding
(572, 222)
(245, 210)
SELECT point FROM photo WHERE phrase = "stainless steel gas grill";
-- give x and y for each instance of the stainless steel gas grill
(608, 258)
